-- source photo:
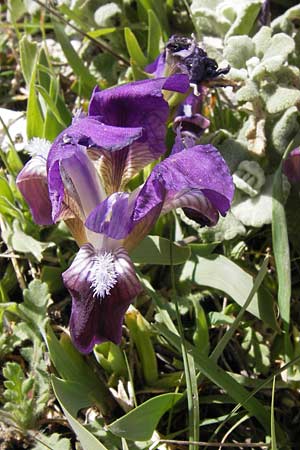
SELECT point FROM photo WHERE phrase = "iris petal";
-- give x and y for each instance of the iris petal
(97, 319)
(32, 182)
(74, 185)
(196, 179)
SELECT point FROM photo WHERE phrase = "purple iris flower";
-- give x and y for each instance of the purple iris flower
(84, 174)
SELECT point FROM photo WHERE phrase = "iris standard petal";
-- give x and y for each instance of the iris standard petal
(102, 285)
(135, 106)
(32, 182)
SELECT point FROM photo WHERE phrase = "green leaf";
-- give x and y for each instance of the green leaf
(34, 115)
(5, 190)
(71, 366)
(71, 399)
(140, 423)
(156, 250)
(101, 32)
(222, 379)
(16, 9)
(51, 105)
(88, 82)
(281, 248)
(134, 48)
(246, 18)
(154, 36)
(53, 442)
(34, 307)
(219, 272)
(22, 242)
(17, 401)
(140, 332)
(28, 56)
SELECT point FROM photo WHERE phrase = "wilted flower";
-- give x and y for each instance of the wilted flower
(87, 167)
(183, 55)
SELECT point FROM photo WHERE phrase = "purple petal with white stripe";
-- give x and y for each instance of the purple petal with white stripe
(72, 178)
(32, 182)
(102, 285)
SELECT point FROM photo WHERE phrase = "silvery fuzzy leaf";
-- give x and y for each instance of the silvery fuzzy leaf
(270, 65)
(206, 20)
(257, 211)
(245, 18)
(280, 45)
(237, 74)
(233, 151)
(262, 41)
(284, 129)
(238, 50)
(280, 99)
(248, 92)
(226, 229)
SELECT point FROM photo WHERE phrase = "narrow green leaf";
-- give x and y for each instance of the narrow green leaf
(5, 190)
(88, 82)
(219, 272)
(101, 32)
(28, 57)
(140, 423)
(51, 105)
(229, 333)
(134, 48)
(154, 36)
(221, 378)
(69, 395)
(140, 332)
(35, 120)
(281, 250)
(273, 428)
(156, 250)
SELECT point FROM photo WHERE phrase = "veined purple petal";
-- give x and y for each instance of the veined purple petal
(102, 285)
(72, 178)
(114, 218)
(32, 182)
(291, 166)
(91, 132)
(138, 106)
(196, 178)
(122, 105)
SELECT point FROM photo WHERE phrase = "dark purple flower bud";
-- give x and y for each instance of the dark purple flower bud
(189, 121)
(291, 166)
